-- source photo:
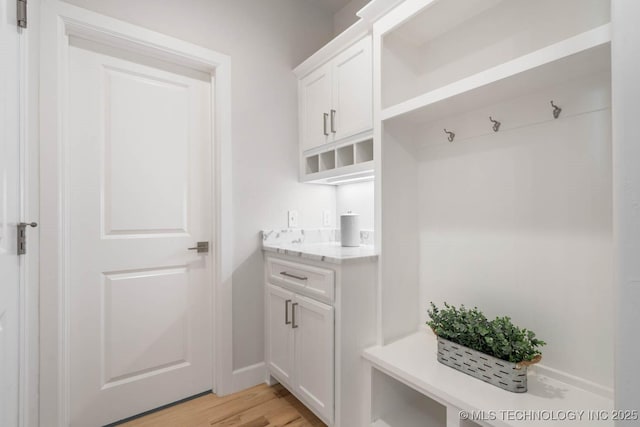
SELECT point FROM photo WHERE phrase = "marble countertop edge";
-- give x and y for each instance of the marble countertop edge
(331, 252)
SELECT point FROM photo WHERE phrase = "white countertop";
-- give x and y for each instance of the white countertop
(331, 252)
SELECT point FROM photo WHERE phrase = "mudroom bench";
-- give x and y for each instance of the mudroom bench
(410, 388)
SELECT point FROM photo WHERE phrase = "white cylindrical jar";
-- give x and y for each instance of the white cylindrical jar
(350, 229)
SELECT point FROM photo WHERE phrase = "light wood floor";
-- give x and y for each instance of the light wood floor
(260, 406)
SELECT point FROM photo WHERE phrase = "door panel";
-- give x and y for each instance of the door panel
(9, 214)
(353, 90)
(280, 342)
(144, 166)
(139, 178)
(314, 354)
(315, 102)
(133, 349)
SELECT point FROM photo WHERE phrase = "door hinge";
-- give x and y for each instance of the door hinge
(22, 236)
(22, 13)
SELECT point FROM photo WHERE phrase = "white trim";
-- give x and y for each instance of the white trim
(376, 57)
(248, 376)
(23, 308)
(59, 20)
(29, 268)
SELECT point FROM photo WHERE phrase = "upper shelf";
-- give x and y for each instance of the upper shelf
(436, 49)
(582, 54)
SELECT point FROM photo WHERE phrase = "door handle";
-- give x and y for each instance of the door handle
(325, 116)
(286, 312)
(201, 247)
(333, 121)
(293, 315)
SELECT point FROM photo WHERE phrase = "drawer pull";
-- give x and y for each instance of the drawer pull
(286, 312)
(295, 276)
(293, 315)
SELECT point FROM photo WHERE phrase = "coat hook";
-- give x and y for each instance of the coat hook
(556, 110)
(451, 135)
(496, 124)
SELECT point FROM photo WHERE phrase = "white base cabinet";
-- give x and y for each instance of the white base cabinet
(300, 347)
(319, 317)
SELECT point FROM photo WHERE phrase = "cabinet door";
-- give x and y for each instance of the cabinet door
(280, 340)
(352, 91)
(314, 355)
(315, 106)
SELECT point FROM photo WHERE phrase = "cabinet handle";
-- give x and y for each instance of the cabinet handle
(293, 315)
(325, 116)
(295, 276)
(333, 121)
(286, 312)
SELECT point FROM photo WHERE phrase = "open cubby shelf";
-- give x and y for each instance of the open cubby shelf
(348, 163)
(345, 156)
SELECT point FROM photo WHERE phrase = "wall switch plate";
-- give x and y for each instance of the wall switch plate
(293, 219)
(326, 218)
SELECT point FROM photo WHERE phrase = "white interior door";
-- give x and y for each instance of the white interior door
(140, 195)
(9, 214)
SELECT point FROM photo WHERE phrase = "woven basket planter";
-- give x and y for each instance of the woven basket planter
(506, 375)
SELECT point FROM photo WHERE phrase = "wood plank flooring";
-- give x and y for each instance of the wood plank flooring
(259, 406)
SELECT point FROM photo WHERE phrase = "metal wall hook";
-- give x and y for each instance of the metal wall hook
(556, 110)
(496, 124)
(451, 135)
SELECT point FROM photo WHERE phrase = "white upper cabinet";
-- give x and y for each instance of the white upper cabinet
(335, 96)
(335, 99)
(315, 107)
(352, 110)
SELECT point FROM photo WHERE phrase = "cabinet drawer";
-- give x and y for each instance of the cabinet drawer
(308, 280)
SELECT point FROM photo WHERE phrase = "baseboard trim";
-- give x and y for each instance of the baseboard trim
(247, 377)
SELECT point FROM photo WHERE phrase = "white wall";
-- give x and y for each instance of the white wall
(346, 16)
(265, 40)
(519, 222)
(400, 248)
(357, 198)
(626, 184)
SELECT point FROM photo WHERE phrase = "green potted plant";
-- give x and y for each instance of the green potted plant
(495, 351)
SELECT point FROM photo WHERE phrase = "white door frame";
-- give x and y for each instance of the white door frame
(29, 263)
(58, 21)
